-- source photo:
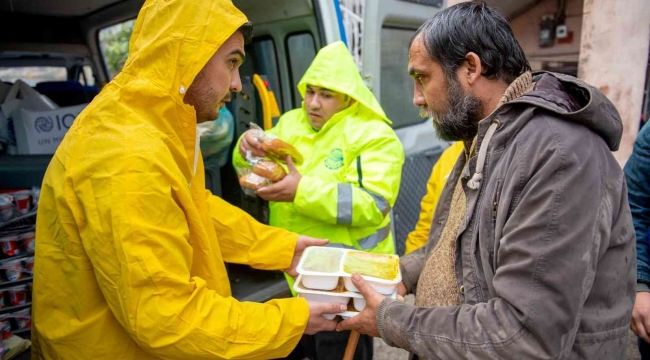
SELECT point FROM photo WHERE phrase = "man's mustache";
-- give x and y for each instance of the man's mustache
(426, 113)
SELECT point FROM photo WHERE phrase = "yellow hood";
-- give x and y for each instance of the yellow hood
(171, 42)
(334, 69)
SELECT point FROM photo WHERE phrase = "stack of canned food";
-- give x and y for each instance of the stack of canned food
(17, 240)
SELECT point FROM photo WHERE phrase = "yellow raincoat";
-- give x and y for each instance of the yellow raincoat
(131, 247)
(420, 235)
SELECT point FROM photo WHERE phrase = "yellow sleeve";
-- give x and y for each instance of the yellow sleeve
(420, 235)
(138, 241)
(243, 240)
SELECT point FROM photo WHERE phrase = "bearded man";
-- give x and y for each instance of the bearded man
(531, 254)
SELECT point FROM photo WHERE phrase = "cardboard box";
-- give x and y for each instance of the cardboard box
(41, 132)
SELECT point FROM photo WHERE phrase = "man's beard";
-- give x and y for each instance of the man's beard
(460, 119)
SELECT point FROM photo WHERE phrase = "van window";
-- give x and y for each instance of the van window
(86, 76)
(301, 51)
(396, 84)
(114, 44)
(266, 63)
(34, 74)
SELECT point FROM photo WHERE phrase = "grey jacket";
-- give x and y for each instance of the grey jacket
(545, 259)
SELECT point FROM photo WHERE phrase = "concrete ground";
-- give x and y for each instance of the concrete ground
(385, 352)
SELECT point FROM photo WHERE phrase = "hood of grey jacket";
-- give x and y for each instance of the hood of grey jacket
(578, 102)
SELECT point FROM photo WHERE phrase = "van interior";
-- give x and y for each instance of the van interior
(61, 44)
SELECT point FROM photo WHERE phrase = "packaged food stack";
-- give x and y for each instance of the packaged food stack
(326, 276)
(17, 240)
(17, 204)
(16, 273)
(261, 172)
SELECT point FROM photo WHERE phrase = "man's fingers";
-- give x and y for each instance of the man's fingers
(310, 241)
(327, 308)
(270, 190)
(643, 333)
(401, 289)
(328, 325)
(292, 272)
(332, 308)
(290, 165)
(349, 324)
(253, 147)
(265, 195)
(641, 329)
(645, 319)
(345, 325)
(644, 336)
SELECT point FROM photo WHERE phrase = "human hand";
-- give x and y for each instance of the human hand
(285, 189)
(641, 316)
(366, 321)
(303, 243)
(401, 289)
(317, 322)
(249, 143)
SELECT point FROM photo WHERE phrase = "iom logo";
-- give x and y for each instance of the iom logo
(43, 124)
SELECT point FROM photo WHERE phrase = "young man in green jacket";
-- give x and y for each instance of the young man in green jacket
(350, 177)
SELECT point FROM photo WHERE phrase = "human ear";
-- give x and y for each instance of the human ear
(474, 68)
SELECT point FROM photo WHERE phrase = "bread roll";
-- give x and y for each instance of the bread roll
(278, 149)
(253, 181)
(270, 170)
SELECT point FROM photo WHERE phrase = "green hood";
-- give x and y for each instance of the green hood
(334, 69)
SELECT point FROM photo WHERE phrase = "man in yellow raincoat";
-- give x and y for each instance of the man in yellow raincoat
(441, 170)
(350, 177)
(131, 246)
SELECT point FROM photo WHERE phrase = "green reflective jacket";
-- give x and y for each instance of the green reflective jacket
(353, 165)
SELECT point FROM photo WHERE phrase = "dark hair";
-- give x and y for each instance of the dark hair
(247, 31)
(474, 27)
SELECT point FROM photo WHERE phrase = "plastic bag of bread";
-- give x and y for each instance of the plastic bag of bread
(251, 182)
(275, 148)
(269, 170)
(260, 172)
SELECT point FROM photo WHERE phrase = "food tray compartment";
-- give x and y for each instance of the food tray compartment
(359, 303)
(380, 266)
(380, 287)
(338, 295)
(322, 267)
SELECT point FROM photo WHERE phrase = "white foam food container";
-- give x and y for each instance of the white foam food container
(332, 269)
(339, 295)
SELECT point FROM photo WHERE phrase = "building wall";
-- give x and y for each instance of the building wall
(454, 2)
(526, 28)
(614, 57)
(609, 48)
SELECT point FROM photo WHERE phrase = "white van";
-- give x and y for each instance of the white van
(60, 47)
